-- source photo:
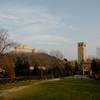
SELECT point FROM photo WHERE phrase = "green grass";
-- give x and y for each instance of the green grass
(60, 90)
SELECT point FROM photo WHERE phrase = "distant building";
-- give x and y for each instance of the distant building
(82, 52)
(83, 61)
(22, 48)
(86, 68)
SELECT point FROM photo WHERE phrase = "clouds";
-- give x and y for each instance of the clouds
(7, 17)
(30, 20)
(35, 26)
(43, 39)
(49, 24)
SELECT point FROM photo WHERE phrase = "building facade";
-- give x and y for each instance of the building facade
(24, 49)
(86, 68)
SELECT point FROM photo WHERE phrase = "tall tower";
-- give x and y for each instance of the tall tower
(82, 52)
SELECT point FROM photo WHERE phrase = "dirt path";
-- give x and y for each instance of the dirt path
(6, 93)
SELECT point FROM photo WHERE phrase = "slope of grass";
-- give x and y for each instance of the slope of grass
(60, 90)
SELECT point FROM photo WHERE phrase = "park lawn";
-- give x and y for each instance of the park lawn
(69, 89)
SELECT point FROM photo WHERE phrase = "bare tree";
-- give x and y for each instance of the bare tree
(5, 42)
(6, 60)
(56, 54)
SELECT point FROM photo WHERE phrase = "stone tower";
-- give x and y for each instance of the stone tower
(82, 52)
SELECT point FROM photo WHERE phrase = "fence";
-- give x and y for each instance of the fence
(24, 78)
(44, 77)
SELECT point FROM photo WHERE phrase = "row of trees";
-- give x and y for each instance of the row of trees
(44, 64)
(39, 64)
(30, 64)
(12, 64)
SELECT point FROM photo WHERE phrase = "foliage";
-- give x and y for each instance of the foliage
(3, 74)
(95, 65)
(69, 68)
(21, 66)
(43, 64)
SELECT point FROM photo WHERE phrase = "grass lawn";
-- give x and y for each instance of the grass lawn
(69, 89)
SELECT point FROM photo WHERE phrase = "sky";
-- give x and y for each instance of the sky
(53, 24)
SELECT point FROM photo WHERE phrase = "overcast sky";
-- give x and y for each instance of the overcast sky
(53, 24)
